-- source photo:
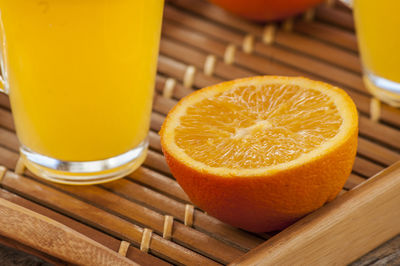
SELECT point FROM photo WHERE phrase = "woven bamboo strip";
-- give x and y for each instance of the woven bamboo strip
(186, 54)
(164, 66)
(7, 122)
(379, 132)
(170, 206)
(334, 16)
(206, 10)
(159, 182)
(12, 142)
(293, 41)
(320, 50)
(353, 181)
(327, 33)
(256, 64)
(109, 201)
(4, 102)
(154, 141)
(155, 160)
(321, 31)
(365, 167)
(378, 153)
(310, 67)
(104, 239)
(54, 238)
(97, 217)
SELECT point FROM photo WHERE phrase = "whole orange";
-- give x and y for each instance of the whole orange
(261, 152)
(263, 10)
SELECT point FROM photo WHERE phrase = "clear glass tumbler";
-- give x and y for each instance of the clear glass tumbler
(377, 26)
(80, 76)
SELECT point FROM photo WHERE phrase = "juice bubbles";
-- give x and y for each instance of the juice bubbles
(378, 25)
(80, 74)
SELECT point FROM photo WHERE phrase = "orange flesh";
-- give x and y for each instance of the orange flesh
(257, 126)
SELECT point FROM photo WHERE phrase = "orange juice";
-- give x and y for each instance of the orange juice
(80, 74)
(378, 24)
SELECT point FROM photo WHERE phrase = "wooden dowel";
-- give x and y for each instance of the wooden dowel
(189, 211)
(309, 15)
(375, 109)
(168, 224)
(179, 90)
(123, 248)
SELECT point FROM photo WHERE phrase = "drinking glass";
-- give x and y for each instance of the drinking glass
(377, 26)
(80, 77)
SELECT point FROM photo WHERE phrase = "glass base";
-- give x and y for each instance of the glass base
(386, 90)
(84, 173)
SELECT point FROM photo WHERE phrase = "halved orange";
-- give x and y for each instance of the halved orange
(261, 152)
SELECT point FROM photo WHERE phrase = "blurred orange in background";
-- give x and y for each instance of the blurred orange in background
(264, 10)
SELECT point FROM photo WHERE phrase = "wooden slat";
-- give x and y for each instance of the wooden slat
(54, 238)
(104, 239)
(353, 181)
(97, 218)
(311, 67)
(334, 16)
(342, 231)
(292, 41)
(327, 33)
(150, 216)
(151, 219)
(171, 207)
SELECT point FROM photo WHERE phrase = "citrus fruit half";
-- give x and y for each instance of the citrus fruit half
(261, 152)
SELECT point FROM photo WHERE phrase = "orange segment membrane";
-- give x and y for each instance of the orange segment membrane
(257, 126)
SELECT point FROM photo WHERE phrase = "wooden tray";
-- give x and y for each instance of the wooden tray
(149, 219)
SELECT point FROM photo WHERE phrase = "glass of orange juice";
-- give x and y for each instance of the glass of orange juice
(377, 25)
(80, 76)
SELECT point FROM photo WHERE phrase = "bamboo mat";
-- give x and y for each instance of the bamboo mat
(146, 216)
